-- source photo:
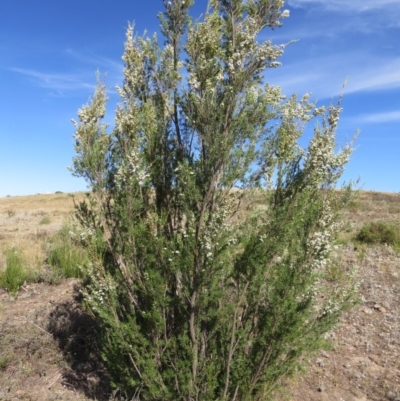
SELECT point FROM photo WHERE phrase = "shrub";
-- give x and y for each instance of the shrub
(194, 302)
(66, 256)
(10, 212)
(379, 233)
(45, 220)
(15, 273)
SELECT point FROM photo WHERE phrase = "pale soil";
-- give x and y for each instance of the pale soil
(364, 363)
(47, 350)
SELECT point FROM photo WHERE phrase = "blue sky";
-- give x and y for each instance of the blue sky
(50, 51)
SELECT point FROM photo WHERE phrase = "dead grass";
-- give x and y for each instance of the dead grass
(28, 222)
(48, 344)
(47, 350)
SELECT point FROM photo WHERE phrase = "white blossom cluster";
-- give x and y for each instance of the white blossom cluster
(285, 14)
(333, 117)
(167, 76)
(101, 289)
(321, 242)
(245, 45)
(204, 48)
(89, 114)
(301, 111)
(321, 158)
(184, 174)
(312, 290)
(215, 228)
(126, 118)
(80, 233)
(332, 306)
(133, 58)
(131, 167)
(89, 131)
(339, 294)
(269, 52)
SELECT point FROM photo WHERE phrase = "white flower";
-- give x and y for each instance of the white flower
(285, 14)
(275, 64)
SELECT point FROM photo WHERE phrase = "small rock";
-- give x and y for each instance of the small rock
(379, 308)
(324, 354)
(391, 396)
(23, 295)
(320, 389)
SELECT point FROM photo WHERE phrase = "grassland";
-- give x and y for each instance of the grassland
(47, 344)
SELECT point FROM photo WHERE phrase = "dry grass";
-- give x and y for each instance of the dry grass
(28, 222)
(47, 347)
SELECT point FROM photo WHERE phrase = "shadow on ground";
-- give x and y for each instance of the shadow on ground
(77, 334)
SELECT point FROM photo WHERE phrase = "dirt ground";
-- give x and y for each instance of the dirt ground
(47, 351)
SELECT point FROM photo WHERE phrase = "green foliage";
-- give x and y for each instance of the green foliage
(379, 232)
(45, 220)
(66, 256)
(15, 273)
(196, 299)
(11, 212)
(353, 206)
(3, 362)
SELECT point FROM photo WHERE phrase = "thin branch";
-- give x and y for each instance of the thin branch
(230, 354)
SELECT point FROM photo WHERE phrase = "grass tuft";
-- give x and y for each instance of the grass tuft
(15, 274)
(65, 256)
(10, 212)
(45, 220)
(3, 362)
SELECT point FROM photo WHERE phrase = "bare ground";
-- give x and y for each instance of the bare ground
(47, 343)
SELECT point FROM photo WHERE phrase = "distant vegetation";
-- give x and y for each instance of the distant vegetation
(45, 220)
(380, 233)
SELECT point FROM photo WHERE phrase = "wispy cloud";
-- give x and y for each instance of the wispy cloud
(57, 82)
(346, 6)
(62, 83)
(366, 16)
(99, 62)
(376, 75)
(331, 28)
(324, 76)
(386, 117)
